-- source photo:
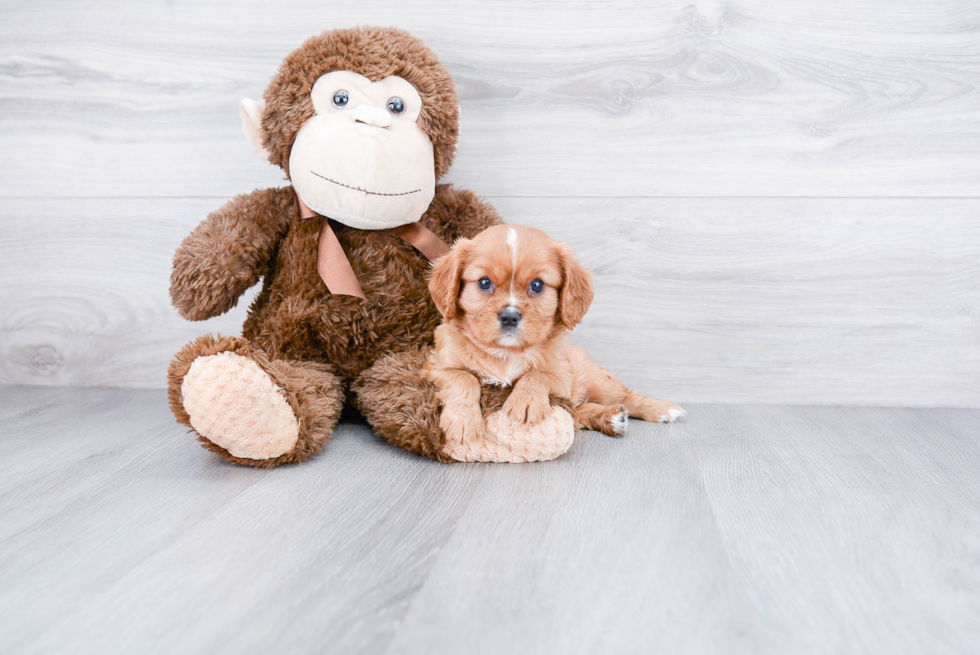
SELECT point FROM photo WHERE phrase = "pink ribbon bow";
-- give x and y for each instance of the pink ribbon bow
(334, 267)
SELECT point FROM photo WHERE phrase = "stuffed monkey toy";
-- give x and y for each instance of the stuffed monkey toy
(363, 122)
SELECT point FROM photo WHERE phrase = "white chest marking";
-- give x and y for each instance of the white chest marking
(516, 367)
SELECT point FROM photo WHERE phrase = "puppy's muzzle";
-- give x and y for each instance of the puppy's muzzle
(509, 318)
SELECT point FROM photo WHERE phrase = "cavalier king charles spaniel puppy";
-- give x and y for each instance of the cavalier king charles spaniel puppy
(508, 297)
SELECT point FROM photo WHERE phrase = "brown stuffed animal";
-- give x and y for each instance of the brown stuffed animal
(363, 122)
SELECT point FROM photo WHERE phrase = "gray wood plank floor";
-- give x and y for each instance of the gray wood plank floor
(762, 529)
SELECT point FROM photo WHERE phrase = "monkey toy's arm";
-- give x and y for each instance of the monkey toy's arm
(228, 253)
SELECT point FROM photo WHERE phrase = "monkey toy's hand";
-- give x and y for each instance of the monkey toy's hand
(228, 252)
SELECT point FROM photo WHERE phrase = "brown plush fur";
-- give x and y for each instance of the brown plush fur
(311, 343)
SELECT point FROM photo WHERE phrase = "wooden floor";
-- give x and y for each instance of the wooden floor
(757, 529)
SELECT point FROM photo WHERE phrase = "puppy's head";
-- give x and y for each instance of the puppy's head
(510, 286)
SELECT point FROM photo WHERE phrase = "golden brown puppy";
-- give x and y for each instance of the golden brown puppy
(508, 297)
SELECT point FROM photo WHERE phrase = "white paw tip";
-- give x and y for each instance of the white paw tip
(619, 422)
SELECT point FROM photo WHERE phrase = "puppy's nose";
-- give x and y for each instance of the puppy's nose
(509, 318)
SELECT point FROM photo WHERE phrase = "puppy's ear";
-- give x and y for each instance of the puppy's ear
(444, 283)
(576, 293)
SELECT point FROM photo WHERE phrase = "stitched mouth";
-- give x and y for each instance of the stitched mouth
(370, 193)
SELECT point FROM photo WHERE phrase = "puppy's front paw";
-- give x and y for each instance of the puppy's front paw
(462, 425)
(526, 407)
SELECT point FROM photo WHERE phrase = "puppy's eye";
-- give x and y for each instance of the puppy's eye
(485, 284)
(340, 98)
(537, 286)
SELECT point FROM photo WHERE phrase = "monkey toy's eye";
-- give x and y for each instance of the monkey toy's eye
(340, 98)
(537, 286)
(396, 106)
(485, 284)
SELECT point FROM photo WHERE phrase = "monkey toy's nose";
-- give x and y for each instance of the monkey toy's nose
(372, 116)
(509, 318)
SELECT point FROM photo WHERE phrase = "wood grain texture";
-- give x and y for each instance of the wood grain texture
(841, 301)
(85, 299)
(742, 98)
(759, 530)
(663, 140)
(740, 300)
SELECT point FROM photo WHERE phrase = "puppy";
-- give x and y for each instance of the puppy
(508, 297)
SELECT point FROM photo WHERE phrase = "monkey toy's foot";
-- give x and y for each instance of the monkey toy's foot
(235, 404)
(251, 409)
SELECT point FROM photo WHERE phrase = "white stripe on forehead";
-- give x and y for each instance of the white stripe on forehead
(512, 242)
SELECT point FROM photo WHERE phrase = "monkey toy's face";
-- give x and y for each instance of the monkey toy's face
(361, 159)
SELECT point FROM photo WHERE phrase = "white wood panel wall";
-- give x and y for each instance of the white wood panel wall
(780, 200)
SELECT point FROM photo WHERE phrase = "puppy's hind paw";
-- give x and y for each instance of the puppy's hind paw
(672, 414)
(655, 410)
(618, 421)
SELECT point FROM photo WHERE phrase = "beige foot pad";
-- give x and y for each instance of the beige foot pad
(507, 441)
(235, 404)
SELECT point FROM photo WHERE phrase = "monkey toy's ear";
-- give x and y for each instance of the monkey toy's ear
(251, 113)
